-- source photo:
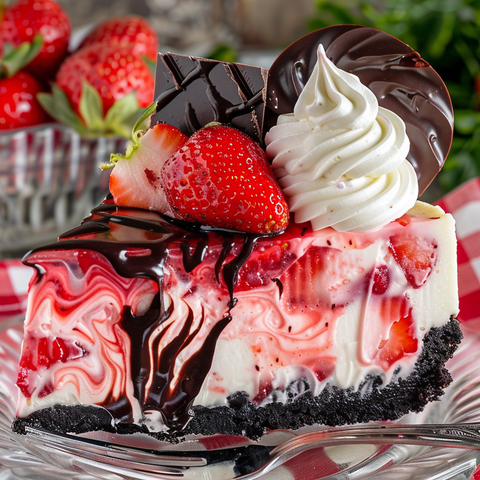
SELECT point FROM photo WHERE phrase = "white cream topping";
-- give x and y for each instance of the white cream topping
(339, 157)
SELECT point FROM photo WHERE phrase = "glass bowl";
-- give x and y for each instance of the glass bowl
(50, 179)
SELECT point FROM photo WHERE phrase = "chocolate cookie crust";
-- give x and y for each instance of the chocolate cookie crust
(332, 407)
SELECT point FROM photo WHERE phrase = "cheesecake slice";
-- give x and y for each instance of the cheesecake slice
(139, 323)
(185, 305)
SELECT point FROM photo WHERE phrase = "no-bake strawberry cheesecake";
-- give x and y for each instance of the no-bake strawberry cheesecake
(270, 270)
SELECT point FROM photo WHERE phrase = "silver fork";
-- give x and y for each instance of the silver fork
(250, 461)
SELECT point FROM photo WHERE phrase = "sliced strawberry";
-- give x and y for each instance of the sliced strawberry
(324, 368)
(265, 265)
(131, 31)
(301, 280)
(381, 280)
(44, 352)
(136, 179)
(416, 257)
(401, 337)
(23, 382)
(46, 390)
(221, 178)
(264, 390)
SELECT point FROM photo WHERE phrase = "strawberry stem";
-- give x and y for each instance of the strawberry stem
(91, 121)
(137, 133)
(137, 130)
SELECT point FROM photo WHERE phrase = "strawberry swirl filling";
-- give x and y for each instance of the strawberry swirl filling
(298, 310)
(74, 333)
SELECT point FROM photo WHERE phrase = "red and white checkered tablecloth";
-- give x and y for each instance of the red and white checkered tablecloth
(463, 203)
(14, 278)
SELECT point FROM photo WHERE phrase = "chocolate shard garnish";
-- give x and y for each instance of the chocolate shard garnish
(400, 79)
(192, 92)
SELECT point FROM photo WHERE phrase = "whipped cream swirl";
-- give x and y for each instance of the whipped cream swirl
(339, 157)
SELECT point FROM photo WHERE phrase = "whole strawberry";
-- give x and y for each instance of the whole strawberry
(219, 177)
(24, 19)
(222, 178)
(99, 89)
(131, 31)
(113, 72)
(19, 106)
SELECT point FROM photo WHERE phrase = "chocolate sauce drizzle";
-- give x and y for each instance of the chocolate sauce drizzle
(192, 92)
(191, 261)
(172, 400)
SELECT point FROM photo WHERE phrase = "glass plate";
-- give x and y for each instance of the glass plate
(21, 459)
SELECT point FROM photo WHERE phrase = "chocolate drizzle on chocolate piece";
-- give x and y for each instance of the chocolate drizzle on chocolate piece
(401, 80)
(192, 92)
(172, 399)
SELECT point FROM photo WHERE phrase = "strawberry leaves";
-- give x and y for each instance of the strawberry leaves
(15, 58)
(120, 117)
(91, 108)
(92, 122)
(56, 104)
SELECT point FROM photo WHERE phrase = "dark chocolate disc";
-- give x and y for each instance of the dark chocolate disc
(400, 79)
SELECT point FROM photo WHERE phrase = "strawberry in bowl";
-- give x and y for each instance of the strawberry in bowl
(126, 31)
(60, 121)
(24, 19)
(99, 89)
(19, 89)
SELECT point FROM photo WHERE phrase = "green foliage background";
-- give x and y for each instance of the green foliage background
(446, 33)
